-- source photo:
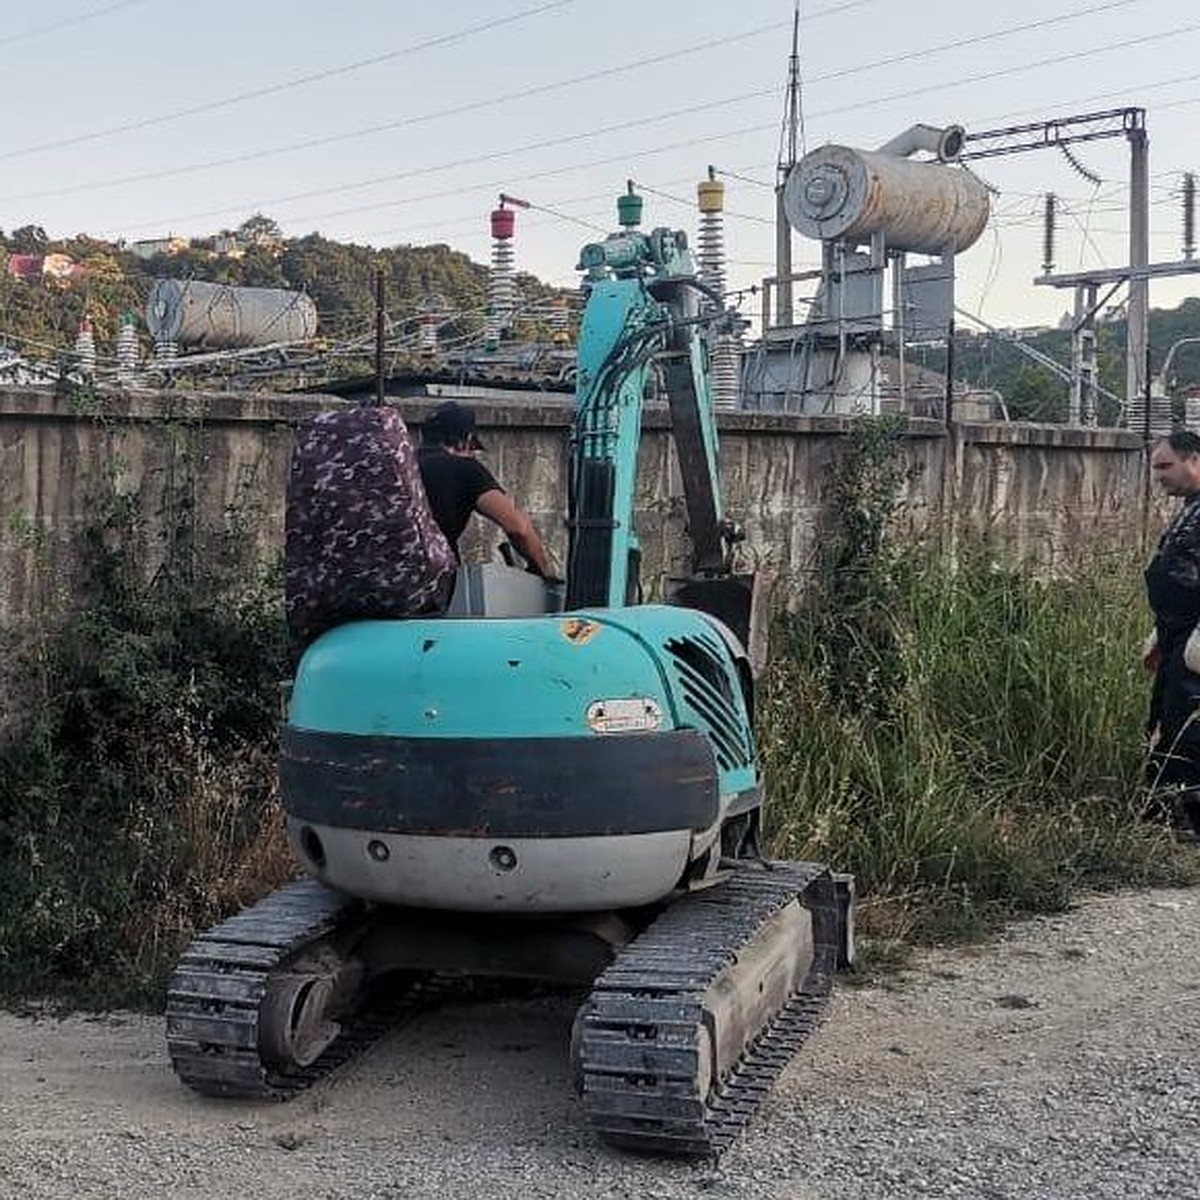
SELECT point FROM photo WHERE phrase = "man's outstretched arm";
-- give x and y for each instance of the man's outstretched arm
(498, 506)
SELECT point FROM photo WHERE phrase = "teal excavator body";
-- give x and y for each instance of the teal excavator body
(596, 758)
(556, 763)
(550, 781)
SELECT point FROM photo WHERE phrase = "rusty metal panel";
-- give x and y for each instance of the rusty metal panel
(928, 301)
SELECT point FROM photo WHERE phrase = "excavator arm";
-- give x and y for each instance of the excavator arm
(641, 327)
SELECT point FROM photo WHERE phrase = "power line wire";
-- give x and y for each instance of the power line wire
(491, 102)
(290, 84)
(1121, 92)
(692, 204)
(744, 178)
(566, 217)
(975, 40)
(646, 120)
(1003, 72)
(493, 156)
(67, 22)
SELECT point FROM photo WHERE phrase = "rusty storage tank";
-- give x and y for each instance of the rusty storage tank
(214, 316)
(840, 194)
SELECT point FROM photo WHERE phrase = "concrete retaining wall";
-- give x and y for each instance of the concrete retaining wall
(213, 464)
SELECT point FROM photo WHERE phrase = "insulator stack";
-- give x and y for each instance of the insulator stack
(502, 286)
(166, 350)
(725, 351)
(560, 321)
(127, 350)
(429, 317)
(726, 370)
(1191, 413)
(1189, 215)
(427, 335)
(1161, 422)
(1048, 233)
(85, 349)
(711, 196)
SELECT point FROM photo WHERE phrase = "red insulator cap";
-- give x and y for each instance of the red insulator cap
(504, 222)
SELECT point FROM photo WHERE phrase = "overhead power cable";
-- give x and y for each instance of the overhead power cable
(488, 103)
(1003, 72)
(67, 22)
(562, 216)
(1122, 92)
(645, 187)
(744, 178)
(975, 40)
(494, 156)
(628, 154)
(444, 39)
(491, 102)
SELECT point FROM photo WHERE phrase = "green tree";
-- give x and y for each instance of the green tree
(1037, 395)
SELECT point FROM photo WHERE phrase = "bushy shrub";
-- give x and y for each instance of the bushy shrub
(964, 737)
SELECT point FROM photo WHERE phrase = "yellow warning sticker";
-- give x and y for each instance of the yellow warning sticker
(579, 631)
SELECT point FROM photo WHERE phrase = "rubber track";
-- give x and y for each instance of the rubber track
(214, 995)
(639, 1046)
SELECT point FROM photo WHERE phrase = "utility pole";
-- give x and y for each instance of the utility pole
(783, 229)
(379, 323)
(1137, 322)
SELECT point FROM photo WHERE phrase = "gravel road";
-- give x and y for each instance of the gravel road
(1057, 1062)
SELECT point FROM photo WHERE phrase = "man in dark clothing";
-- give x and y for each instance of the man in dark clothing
(457, 484)
(1172, 651)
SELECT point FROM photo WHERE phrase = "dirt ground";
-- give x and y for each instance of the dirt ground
(1059, 1060)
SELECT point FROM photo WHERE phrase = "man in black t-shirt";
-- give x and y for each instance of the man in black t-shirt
(457, 484)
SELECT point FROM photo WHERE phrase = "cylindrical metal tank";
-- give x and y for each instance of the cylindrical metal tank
(840, 194)
(214, 316)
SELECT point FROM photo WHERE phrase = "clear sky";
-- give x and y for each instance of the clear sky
(390, 122)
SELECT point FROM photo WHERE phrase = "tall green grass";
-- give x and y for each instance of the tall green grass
(964, 738)
(137, 792)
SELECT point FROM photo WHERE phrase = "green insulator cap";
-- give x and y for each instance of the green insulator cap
(629, 208)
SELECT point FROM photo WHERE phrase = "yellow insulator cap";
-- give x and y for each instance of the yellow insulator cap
(711, 194)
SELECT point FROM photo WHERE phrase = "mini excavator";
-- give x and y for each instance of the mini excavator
(551, 787)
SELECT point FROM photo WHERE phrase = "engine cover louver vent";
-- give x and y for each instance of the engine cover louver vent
(707, 691)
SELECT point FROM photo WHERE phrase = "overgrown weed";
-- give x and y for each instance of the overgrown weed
(137, 798)
(962, 736)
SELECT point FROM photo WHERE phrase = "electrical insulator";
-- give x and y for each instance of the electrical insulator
(85, 349)
(127, 351)
(1048, 234)
(502, 286)
(711, 195)
(725, 351)
(1189, 215)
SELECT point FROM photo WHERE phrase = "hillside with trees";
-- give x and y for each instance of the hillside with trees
(41, 313)
(109, 279)
(1034, 393)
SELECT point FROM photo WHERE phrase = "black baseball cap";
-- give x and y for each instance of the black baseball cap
(451, 423)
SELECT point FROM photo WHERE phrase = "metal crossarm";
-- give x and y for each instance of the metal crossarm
(1056, 132)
